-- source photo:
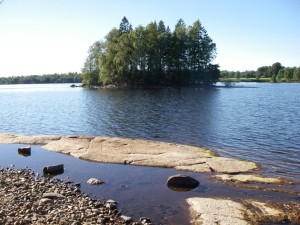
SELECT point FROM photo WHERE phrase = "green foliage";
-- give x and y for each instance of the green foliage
(152, 55)
(42, 79)
(262, 72)
(274, 73)
(280, 75)
(238, 75)
(296, 76)
(288, 74)
(90, 70)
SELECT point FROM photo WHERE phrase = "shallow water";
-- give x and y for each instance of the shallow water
(258, 123)
(140, 191)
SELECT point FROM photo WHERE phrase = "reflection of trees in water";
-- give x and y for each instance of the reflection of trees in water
(169, 114)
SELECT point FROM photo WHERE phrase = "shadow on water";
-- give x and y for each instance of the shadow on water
(140, 191)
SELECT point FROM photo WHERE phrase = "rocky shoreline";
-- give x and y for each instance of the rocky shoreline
(26, 198)
(146, 153)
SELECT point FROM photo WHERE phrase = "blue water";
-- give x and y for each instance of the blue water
(259, 122)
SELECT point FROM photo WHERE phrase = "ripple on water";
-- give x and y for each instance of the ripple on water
(259, 124)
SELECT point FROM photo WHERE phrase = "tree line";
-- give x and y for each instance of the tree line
(43, 79)
(274, 73)
(152, 55)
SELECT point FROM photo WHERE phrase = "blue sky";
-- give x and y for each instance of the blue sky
(40, 37)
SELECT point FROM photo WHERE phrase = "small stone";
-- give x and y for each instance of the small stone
(94, 181)
(126, 219)
(45, 201)
(77, 190)
(52, 195)
(144, 220)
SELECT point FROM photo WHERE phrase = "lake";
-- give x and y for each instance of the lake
(259, 122)
(253, 121)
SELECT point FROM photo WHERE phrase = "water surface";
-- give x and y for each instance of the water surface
(259, 124)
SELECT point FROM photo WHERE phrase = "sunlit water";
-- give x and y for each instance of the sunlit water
(259, 123)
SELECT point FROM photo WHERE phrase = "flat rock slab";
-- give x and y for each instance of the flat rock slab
(226, 212)
(251, 178)
(26, 139)
(135, 152)
(209, 211)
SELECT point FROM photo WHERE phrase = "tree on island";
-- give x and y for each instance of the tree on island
(152, 55)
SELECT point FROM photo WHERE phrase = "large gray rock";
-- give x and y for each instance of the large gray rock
(181, 182)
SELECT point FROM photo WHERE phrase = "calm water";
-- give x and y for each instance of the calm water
(259, 123)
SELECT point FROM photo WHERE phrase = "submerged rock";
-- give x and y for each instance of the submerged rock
(181, 182)
(95, 181)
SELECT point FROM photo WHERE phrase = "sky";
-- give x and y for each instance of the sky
(44, 37)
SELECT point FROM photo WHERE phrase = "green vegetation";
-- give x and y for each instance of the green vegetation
(274, 73)
(42, 79)
(152, 55)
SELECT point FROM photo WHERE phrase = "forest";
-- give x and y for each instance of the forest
(274, 73)
(43, 79)
(152, 55)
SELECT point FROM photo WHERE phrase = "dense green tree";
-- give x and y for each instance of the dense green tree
(273, 71)
(90, 70)
(261, 72)
(125, 27)
(152, 55)
(108, 69)
(288, 74)
(280, 75)
(238, 75)
(275, 68)
(296, 75)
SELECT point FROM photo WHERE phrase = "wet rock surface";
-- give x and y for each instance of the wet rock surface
(26, 198)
